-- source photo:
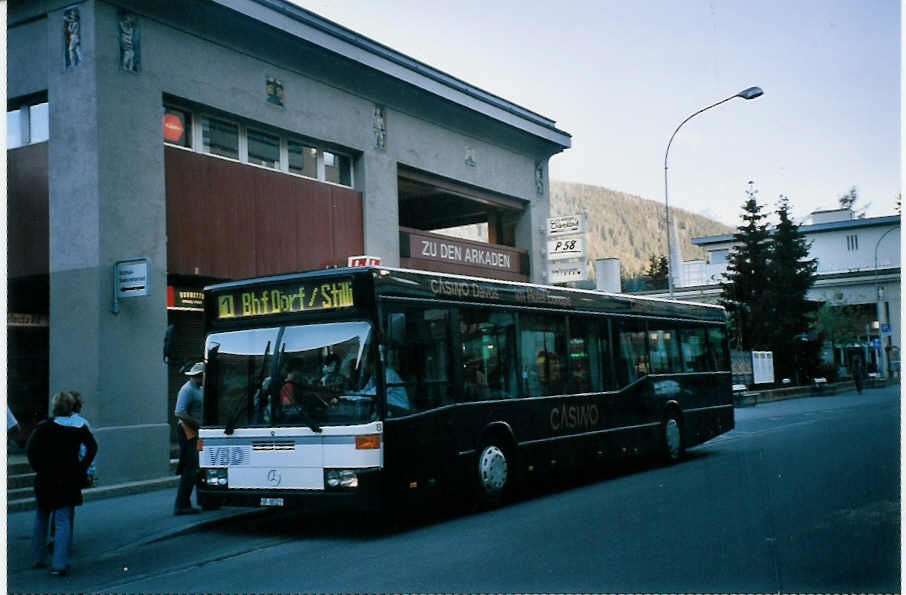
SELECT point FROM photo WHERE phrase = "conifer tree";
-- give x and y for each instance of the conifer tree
(747, 277)
(791, 274)
(656, 275)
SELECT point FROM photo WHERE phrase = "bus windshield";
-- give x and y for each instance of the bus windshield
(309, 375)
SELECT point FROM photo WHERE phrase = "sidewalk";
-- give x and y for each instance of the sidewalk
(112, 524)
(22, 499)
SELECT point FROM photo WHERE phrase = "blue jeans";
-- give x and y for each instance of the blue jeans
(188, 460)
(62, 529)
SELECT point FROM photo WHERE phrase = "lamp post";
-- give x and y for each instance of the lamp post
(750, 93)
(882, 356)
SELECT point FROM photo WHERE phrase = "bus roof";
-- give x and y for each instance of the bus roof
(397, 282)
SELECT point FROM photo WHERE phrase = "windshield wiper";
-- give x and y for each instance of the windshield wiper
(302, 390)
(259, 386)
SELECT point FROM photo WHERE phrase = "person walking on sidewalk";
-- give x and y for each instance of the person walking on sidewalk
(188, 413)
(76, 420)
(858, 373)
(53, 452)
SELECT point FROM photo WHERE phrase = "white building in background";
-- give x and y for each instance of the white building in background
(858, 265)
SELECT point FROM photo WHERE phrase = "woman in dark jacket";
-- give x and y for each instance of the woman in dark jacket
(53, 452)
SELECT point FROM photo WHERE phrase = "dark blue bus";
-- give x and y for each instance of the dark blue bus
(345, 387)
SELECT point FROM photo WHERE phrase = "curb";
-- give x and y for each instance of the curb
(223, 515)
(99, 493)
(752, 398)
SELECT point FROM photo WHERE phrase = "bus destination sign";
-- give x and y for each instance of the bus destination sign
(298, 297)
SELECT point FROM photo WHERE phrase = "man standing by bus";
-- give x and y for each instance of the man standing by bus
(188, 415)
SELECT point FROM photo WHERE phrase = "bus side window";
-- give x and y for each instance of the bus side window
(632, 360)
(488, 355)
(422, 360)
(694, 349)
(588, 354)
(720, 360)
(544, 353)
(663, 348)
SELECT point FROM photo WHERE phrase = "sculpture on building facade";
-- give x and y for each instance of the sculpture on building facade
(539, 179)
(470, 157)
(274, 89)
(130, 57)
(379, 125)
(72, 38)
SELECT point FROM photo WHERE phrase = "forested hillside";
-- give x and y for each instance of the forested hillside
(628, 227)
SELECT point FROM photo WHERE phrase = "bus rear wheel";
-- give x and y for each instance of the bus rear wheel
(494, 474)
(672, 435)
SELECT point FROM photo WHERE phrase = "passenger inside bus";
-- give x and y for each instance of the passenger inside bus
(292, 373)
(550, 377)
(397, 397)
(332, 377)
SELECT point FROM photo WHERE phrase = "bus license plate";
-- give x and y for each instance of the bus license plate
(272, 502)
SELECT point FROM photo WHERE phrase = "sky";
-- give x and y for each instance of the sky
(620, 76)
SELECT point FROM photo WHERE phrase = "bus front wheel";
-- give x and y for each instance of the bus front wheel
(495, 472)
(673, 438)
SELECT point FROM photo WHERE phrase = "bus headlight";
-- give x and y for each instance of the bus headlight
(214, 477)
(341, 478)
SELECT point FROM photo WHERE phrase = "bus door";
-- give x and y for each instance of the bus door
(419, 414)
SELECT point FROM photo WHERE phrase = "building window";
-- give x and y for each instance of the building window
(220, 137)
(38, 123)
(303, 160)
(336, 168)
(852, 242)
(718, 256)
(235, 139)
(264, 149)
(177, 128)
(16, 129)
(27, 125)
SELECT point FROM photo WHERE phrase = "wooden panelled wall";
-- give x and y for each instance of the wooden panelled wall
(232, 220)
(27, 222)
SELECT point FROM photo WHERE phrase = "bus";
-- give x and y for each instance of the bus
(351, 388)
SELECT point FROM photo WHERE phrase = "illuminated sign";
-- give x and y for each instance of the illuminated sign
(363, 261)
(299, 297)
(173, 127)
(16, 319)
(181, 298)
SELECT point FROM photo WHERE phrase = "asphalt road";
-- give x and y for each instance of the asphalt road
(803, 496)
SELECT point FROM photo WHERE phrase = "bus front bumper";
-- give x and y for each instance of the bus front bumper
(367, 496)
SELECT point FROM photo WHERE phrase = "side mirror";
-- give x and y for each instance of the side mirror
(396, 330)
(168, 345)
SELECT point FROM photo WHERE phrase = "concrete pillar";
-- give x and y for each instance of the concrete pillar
(380, 206)
(530, 229)
(107, 203)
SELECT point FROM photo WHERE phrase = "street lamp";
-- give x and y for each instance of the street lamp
(750, 93)
(882, 356)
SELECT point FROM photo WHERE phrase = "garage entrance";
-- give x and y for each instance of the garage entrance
(451, 227)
